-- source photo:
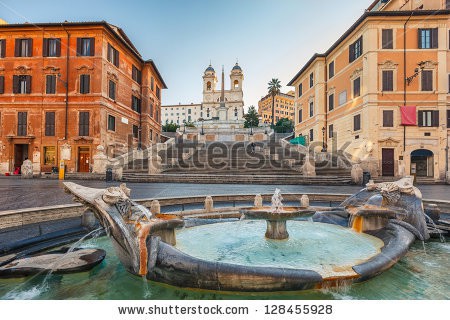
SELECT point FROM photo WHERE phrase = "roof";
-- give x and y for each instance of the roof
(116, 31)
(366, 15)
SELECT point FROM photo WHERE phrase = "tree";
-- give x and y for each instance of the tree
(170, 127)
(284, 125)
(274, 87)
(251, 118)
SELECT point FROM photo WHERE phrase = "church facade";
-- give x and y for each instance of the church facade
(220, 104)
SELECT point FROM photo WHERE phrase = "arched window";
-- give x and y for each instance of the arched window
(236, 84)
(208, 85)
(207, 113)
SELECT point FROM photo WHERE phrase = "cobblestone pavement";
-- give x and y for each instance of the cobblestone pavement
(20, 193)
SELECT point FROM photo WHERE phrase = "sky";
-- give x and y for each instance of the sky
(269, 39)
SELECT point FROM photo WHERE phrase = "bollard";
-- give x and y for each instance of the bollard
(258, 201)
(209, 204)
(304, 201)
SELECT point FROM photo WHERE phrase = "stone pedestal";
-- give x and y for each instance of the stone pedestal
(100, 161)
(27, 169)
(357, 174)
(209, 204)
(258, 201)
(304, 201)
(309, 168)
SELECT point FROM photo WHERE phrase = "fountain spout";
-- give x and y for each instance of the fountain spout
(277, 205)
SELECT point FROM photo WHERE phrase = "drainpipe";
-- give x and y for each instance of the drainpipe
(325, 133)
(67, 84)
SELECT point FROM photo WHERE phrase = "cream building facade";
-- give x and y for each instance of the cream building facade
(352, 95)
(180, 113)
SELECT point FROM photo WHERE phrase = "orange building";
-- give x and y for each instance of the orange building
(283, 108)
(352, 95)
(67, 88)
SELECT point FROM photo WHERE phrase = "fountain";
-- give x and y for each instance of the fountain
(379, 224)
(276, 216)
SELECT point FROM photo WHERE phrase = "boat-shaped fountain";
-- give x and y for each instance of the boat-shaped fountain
(363, 237)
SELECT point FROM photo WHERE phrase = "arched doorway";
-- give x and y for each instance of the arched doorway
(422, 160)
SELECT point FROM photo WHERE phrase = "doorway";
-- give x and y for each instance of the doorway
(84, 159)
(423, 161)
(20, 154)
(387, 162)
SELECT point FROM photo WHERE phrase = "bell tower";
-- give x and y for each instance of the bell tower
(236, 77)
(209, 80)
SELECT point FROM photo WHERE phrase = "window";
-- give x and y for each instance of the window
(50, 84)
(83, 124)
(387, 39)
(331, 70)
(300, 90)
(448, 84)
(112, 90)
(136, 74)
(2, 84)
(355, 50)
(448, 118)
(357, 122)
(51, 47)
(111, 123)
(428, 118)
(152, 83)
(85, 83)
(135, 131)
(388, 80)
(136, 104)
(22, 84)
(86, 47)
(208, 85)
(311, 109)
(342, 97)
(23, 48)
(158, 93)
(2, 48)
(331, 102)
(330, 131)
(22, 124)
(356, 87)
(311, 79)
(428, 38)
(151, 108)
(50, 124)
(447, 4)
(388, 118)
(50, 156)
(427, 80)
(113, 55)
(311, 135)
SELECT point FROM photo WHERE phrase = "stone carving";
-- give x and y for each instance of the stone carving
(155, 207)
(27, 169)
(258, 201)
(119, 196)
(209, 204)
(304, 201)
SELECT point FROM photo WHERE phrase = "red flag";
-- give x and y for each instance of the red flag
(409, 115)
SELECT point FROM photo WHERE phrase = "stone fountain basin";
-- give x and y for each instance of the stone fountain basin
(288, 213)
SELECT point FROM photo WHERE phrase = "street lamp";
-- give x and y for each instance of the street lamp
(184, 126)
(324, 148)
(202, 120)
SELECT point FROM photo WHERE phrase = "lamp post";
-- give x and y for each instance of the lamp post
(324, 147)
(202, 120)
(184, 126)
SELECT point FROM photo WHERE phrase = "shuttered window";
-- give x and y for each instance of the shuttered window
(111, 123)
(23, 47)
(311, 79)
(21, 84)
(85, 46)
(152, 83)
(428, 38)
(448, 118)
(151, 108)
(300, 90)
(387, 39)
(311, 109)
(356, 87)
(357, 122)
(300, 116)
(2, 84)
(158, 92)
(113, 55)
(311, 135)
(331, 102)
(112, 90)
(355, 50)
(136, 74)
(51, 47)
(428, 118)
(135, 131)
(388, 118)
(331, 70)
(50, 124)
(330, 131)
(50, 84)
(427, 80)
(22, 124)
(85, 83)
(136, 104)
(2, 48)
(388, 80)
(83, 124)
